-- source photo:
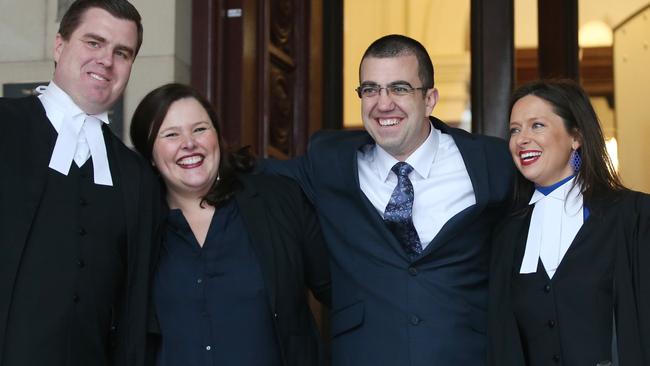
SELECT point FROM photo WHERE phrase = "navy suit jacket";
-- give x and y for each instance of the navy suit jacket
(386, 308)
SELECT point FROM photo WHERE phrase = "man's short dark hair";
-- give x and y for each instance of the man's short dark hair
(121, 9)
(395, 45)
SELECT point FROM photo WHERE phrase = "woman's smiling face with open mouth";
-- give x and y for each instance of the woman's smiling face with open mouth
(539, 141)
(186, 150)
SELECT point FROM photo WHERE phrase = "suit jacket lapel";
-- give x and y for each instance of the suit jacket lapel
(256, 221)
(473, 155)
(129, 181)
(349, 172)
(592, 226)
(32, 169)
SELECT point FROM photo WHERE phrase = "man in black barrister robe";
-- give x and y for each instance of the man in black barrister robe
(77, 207)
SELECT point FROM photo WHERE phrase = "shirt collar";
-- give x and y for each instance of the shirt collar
(546, 190)
(564, 190)
(421, 159)
(58, 105)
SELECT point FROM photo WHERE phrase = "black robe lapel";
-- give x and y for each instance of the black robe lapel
(257, 223)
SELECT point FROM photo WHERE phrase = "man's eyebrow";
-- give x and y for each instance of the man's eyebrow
(400, 82)
(101, 39)
(396, 82)
(94, 36)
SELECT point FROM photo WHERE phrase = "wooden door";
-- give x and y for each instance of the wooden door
(258, 61)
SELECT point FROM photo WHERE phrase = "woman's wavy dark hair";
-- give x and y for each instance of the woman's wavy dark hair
(596, 175)
(148, 118)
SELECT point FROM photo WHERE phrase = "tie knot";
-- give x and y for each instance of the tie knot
(402, 169)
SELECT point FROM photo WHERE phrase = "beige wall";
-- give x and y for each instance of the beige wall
(28, 28)
(632, 94)
(609, 12)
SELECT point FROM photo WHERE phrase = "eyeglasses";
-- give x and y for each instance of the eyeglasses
(398, 90)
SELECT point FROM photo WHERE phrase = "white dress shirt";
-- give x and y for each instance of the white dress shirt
(442, 187)
(79, 134)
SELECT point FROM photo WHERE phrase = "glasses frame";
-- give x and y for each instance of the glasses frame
(388, 88)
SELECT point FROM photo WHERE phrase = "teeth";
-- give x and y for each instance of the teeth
(190, 160)
(388, 122)
(530, 155)
(97, 77)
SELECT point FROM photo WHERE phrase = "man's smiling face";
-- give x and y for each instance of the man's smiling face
(93, 66)
(399, 124)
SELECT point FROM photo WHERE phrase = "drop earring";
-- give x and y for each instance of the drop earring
(575, 161)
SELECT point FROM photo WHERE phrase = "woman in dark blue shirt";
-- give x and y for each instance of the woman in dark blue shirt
(238, 249)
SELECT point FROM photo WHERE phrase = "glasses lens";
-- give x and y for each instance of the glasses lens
(368, 90)
(400, 89)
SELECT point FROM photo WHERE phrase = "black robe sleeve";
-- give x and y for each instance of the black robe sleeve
(632, 286)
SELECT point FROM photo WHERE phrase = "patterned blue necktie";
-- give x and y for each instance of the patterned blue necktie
(398, 215)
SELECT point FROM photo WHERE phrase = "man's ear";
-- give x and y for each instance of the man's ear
(59, 44)
(430, 100)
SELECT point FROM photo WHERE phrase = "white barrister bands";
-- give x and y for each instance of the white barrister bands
(555, 221)
(79, 135)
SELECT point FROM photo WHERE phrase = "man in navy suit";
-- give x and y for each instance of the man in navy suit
(407, 208)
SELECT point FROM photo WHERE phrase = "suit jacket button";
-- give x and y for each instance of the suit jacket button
(82, 231)
(547, 288)
(80, 263)
(413, 271)
(551, 323)
(75, 298)
(556, 358)
(415, 320)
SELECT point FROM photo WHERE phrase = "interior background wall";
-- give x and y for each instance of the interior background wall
(632, 88)
(28, 29)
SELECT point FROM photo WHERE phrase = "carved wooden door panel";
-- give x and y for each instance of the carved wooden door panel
(252, 60)
(284, 69)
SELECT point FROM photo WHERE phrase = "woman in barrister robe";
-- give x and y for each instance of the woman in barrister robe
(238, 249)
(570, 269)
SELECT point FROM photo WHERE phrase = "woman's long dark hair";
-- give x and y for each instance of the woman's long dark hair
(148, 118)
(596, 175)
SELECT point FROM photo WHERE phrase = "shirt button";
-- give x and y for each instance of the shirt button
(81, 263)
(551, 323)
(200, 280)
(556, 358)
(547, 288)
(207, 348)
(415, 320)
(413, 271)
